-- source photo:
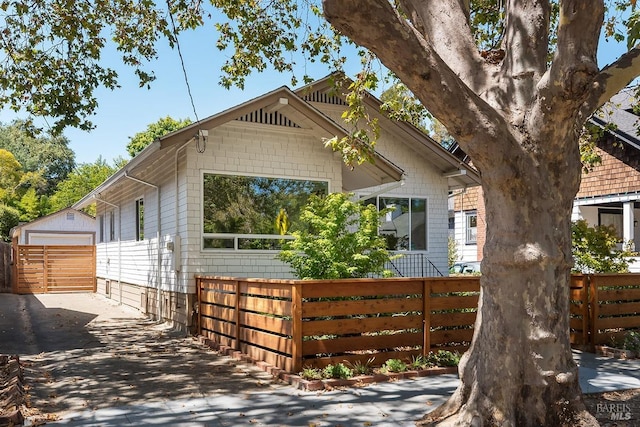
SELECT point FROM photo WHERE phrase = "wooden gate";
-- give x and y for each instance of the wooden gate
(48, 269)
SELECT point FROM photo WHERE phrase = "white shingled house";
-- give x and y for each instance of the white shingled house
(203, 200)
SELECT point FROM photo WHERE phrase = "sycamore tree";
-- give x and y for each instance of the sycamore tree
(512, 81)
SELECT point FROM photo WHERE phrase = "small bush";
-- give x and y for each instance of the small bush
(444, 358)
(420, 362)
(309, 373)
(632, 341)
(394, 365)
(339, 371)
(361, 368)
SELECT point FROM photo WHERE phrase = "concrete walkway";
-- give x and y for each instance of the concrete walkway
(93, 363)
(386, 404)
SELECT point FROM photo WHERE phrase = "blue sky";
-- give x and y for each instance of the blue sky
(128, 110)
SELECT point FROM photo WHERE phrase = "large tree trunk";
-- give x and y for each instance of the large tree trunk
(518, 117)
(519, 370)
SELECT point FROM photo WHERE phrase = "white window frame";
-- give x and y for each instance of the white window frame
(101, 231)
(237, 237)
(409, 198)
(112, 226)
(139, 231)
(470, 237)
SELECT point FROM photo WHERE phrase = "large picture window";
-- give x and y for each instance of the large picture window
(405, 225)
(240, 212)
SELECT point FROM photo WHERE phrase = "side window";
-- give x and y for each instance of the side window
(140, 219)
(100, 228)
(471, 227)
(112, 227)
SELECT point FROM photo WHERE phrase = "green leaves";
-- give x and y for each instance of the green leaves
(340, 240)
(154, 131)
(595, 249)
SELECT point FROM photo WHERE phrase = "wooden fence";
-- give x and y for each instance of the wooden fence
(614, 304)
(291, 324)
(5, 267)
(59, 268)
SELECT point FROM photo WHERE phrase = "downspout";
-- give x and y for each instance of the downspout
(158, 234)
(119, 244)
(177, 251)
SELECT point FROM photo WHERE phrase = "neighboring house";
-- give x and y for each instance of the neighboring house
(609, 193)
(204, 199)
(54, 253)
(65, 227)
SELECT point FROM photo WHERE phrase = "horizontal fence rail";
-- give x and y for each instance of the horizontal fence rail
(54, 268)
(615, 306)
(293, 324)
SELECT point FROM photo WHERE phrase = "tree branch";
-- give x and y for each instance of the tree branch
(376, 25)
(455, 43)
(611, 79)
(525, 44)
(574, 65)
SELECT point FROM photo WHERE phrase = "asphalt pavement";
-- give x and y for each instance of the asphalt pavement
(90, 362)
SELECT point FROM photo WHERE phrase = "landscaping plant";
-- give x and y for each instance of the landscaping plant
(595, 249)
(340, 240)
(394, 365)
(339, 371)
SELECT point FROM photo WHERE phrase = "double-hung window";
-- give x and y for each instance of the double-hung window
(471, 227)
(253, 212)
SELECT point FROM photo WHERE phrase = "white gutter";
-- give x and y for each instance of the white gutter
(158, 234)
(383, 190)
(97, 197)
(143, 155)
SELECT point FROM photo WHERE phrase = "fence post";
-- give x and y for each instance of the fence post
(296, 326)
(236, 315)
(199, 296)
(594, 309)
(426, 316)
(46, 269)
(584, 301)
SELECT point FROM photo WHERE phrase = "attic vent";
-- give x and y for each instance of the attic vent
(325, 98)
(70, 216)
(261, 116)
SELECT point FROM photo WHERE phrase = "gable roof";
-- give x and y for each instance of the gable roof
(619, 112)
(281, 105)
(617, 177)
(45, 218)
(458, 172)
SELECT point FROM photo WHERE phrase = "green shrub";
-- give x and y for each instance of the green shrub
(361, 368)
(310, 373)
(340, 241)
(394, 365)
(632, 341)
(595, 249)
(444, 358)
(420, 362)
(338, 370)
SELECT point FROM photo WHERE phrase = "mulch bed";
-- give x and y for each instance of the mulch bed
(11, 391)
